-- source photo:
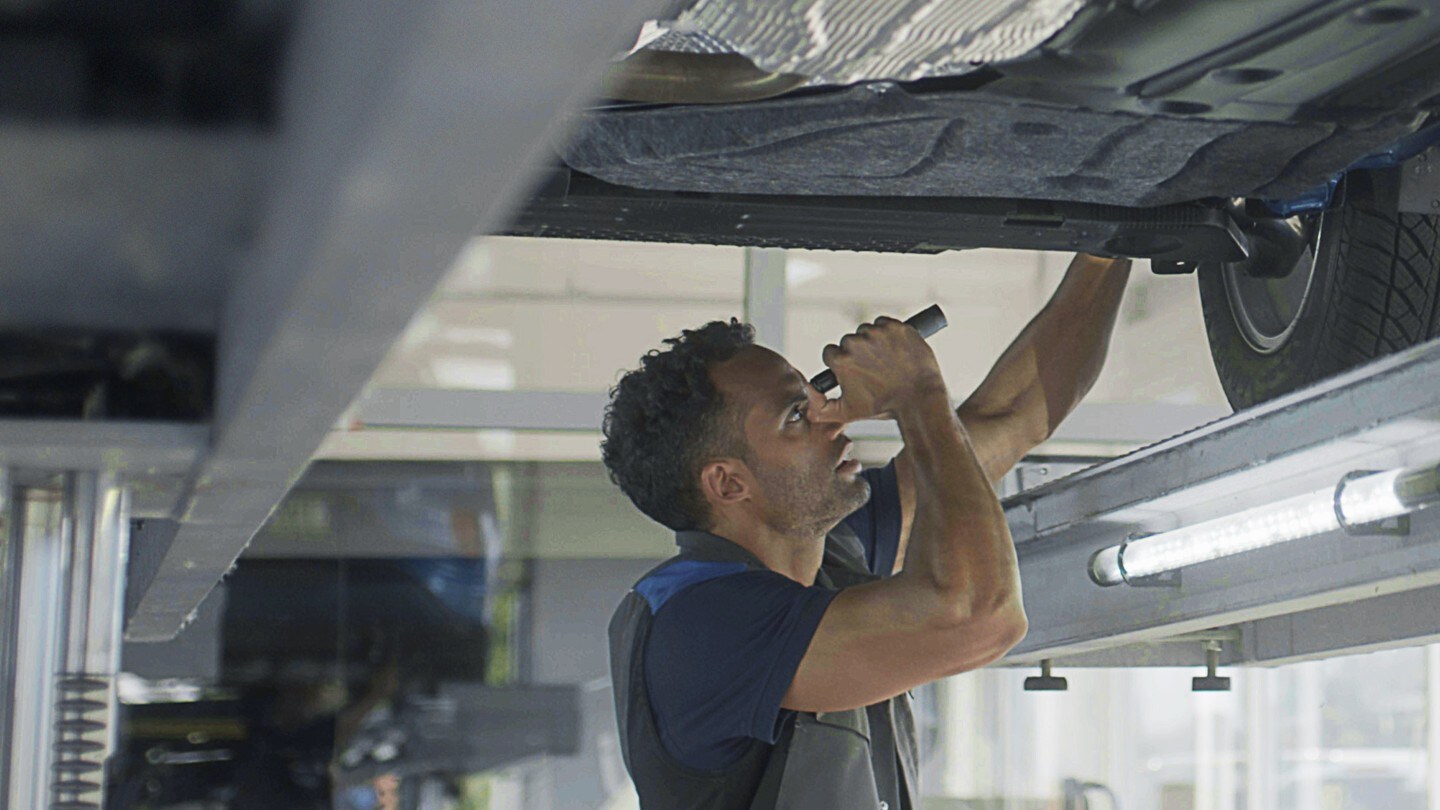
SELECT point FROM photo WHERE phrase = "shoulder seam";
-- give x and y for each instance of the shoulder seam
(659, 587)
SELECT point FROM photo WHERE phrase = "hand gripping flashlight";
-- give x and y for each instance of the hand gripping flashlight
(927, 322)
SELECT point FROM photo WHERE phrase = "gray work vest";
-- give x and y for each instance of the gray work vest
(858, 759)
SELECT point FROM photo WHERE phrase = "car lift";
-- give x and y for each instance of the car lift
(1321, 596)
(141, 520)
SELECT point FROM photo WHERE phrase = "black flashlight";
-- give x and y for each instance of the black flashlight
(927, 322)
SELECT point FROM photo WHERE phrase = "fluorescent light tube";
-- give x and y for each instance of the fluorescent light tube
(1355, 500)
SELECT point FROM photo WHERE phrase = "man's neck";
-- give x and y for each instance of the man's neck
(796, 556)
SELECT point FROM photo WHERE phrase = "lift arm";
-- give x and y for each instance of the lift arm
(1301, 599)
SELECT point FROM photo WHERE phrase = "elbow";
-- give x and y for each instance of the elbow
(1012, 631)
(1042, 428)
(967, 606)
(985, 635)
(1005, 625)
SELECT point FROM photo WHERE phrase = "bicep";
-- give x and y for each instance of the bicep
(883, 638)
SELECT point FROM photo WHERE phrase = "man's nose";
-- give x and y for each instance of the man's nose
(823, 417)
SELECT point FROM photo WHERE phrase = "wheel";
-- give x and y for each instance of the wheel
(1365, 282)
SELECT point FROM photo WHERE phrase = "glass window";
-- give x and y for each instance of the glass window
(560, 315)
(556, 315)
(1348, 732)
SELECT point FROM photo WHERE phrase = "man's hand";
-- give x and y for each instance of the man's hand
(879, 366)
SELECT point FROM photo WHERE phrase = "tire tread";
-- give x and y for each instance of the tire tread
(1381, 294)
(1385, 287)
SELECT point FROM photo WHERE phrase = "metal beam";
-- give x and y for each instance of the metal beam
(133, 447)
(150, 543)
(1383, 416)
(1406, 619)
(407, 128)
(1184, 651)
(1104, 423)
(193, 656)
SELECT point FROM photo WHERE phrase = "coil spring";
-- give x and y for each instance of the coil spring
(78, 718)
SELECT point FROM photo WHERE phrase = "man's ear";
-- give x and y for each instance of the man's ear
(725, 481)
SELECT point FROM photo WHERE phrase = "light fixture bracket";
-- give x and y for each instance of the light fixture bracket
(1398, 526)
(1164, 579)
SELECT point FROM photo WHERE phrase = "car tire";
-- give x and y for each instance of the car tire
(1366, 284)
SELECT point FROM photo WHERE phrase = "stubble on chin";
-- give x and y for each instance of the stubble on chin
(811, 504)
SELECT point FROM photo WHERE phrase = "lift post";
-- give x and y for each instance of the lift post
(70, 534)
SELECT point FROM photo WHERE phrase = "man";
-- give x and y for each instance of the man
(768, 664)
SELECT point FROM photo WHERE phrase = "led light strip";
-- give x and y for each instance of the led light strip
(1358, 499)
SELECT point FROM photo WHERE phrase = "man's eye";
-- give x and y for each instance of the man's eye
(797, 414)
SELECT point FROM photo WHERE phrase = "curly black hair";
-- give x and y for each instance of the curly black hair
(667, 417)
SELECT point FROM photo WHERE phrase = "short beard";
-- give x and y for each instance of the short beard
(809, 503)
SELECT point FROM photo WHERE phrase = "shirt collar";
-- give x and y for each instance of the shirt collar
(713, 546)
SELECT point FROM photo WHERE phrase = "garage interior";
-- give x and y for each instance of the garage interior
(300, 494)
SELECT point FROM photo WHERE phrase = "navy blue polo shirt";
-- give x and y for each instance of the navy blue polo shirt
(726, 639)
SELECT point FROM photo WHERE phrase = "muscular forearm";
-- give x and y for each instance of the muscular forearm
(1073, 333)
(1050, 367)
(960, 549)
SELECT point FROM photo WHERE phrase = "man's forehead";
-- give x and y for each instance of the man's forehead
(759, 376)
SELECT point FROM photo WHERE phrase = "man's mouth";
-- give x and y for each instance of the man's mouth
(846, 463)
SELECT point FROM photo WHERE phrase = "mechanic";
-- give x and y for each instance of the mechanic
(768, 663)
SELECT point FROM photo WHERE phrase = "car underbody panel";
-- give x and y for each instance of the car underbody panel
(1136, 105)
(888, 140)
(577, 206)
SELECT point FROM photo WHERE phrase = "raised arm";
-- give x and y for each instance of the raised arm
(1049, 368)
(957, 605)
(1039, 379)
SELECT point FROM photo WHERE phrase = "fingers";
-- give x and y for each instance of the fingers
(866, 329)
(880, 322)
(833, 353)
(876, 365)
